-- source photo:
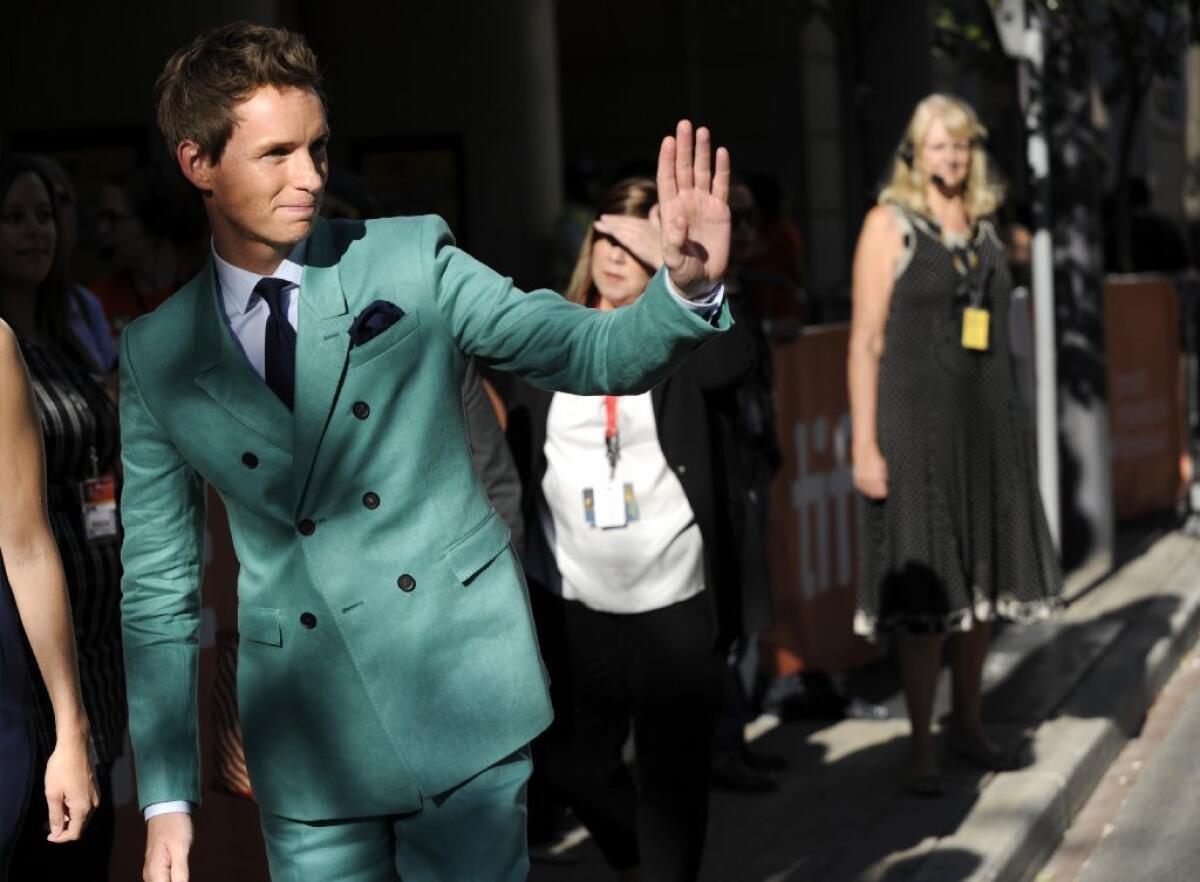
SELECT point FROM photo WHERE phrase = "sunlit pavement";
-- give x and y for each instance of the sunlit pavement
(1073, 692)
(1141, 820)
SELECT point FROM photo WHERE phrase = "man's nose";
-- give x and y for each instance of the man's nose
(308, 173)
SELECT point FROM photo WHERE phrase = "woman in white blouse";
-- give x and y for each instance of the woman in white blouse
(620, 503)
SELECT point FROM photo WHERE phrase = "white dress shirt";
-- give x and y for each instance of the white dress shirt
(246, 313)
(246, 316)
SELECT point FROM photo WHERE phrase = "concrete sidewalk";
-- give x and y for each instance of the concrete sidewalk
(1073, 691)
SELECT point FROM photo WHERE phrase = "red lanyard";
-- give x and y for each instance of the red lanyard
(612, 435)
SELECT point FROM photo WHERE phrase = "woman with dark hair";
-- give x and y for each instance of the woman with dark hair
(620, 511)
(80, 437)
(87, 318)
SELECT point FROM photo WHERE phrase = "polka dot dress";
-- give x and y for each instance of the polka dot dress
(962, 534)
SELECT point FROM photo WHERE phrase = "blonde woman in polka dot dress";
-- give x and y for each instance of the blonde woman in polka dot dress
(951, 528)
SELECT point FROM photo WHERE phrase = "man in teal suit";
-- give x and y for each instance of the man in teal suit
(388, 675)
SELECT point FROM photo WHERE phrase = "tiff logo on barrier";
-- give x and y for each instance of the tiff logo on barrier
(816, 495)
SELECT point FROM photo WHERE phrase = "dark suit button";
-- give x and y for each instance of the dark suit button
(306, 527)
(249, 460)
(361, 409)
(308, 620)
(371, 500)
(406, 582)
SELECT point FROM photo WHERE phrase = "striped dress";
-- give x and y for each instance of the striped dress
(79, 423)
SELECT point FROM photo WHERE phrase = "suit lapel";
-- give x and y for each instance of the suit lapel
(224, 374)
(322, 345)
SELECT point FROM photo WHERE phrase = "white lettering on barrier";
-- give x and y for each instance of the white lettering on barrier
(813, 493)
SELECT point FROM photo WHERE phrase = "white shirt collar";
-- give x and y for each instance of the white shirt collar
(237, 284)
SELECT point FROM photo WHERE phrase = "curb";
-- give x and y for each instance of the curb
(1020, 817)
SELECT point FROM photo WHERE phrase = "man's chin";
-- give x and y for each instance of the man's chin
(294, 233)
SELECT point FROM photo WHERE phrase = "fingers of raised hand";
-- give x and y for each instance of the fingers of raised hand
(684, 176)
(674, 234)
(720, 186)
(666, 170)
(703, 165)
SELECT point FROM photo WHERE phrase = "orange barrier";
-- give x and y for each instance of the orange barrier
(1145, 395)
(812, 529)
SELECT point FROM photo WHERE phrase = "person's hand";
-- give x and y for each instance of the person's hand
(870, 472)
(694, 203)
(71, 794)
(168, 841)
(641, 237)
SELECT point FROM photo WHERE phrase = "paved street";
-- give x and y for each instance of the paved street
(1073, 691)
(1143, 820)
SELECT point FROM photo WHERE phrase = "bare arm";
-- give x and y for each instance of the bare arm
(879, 247)
(40, 591)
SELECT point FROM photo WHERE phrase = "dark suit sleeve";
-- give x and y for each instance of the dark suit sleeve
(491, 456)
(725, 361)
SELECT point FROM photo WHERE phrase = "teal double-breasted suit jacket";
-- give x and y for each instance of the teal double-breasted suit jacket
(387, 651)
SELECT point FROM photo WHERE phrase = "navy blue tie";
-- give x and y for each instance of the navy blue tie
(280, 340)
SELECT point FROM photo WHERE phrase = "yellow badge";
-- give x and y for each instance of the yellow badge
(975, 328)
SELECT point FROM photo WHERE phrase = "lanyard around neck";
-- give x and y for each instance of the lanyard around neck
(612, 434)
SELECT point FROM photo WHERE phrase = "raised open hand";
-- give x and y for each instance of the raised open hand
(693, 201)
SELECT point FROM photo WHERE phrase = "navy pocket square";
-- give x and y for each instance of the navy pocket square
(373, 321)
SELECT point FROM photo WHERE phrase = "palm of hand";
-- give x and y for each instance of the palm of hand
(696, 238)
(694, 197)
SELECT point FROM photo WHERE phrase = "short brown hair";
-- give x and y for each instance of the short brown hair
(633, 197)
(202, 84)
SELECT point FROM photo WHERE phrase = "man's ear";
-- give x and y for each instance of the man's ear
(195, 165)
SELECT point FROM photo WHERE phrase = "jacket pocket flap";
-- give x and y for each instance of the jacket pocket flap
(472, 553)
(260, 625)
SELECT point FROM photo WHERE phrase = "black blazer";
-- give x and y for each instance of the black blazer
(685, 408)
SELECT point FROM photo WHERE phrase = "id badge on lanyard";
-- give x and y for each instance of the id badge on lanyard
(975, 328)
(613, 504)
(98, 500)
(976, 320)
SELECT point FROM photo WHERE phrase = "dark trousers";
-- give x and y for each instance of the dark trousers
(16, 753)
(86, 859)
(658, 670)
(730, 735)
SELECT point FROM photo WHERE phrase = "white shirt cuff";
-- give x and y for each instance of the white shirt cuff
(705, 307)
(161, 808)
